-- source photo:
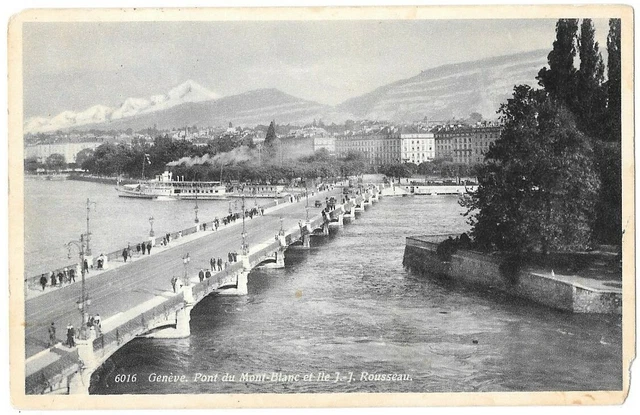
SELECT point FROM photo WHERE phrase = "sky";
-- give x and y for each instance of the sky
(72, 66)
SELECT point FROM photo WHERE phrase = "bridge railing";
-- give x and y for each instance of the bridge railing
(38, 382)
(217, 280)
(256, 256)
(139, 324)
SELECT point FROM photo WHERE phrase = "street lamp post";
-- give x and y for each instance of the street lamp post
(244, 232)
(84, 297)
(195, 209)
(306, 191)
(88, 247)
(151, 233)
(186, 259)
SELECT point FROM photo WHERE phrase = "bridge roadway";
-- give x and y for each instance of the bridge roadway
(124, 287)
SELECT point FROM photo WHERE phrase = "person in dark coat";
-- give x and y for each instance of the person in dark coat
(149, 248)
(86, 266)
(125, 254)
(60, 278)
(201, 275)
(219, 264)
(144, 248)
(71, 334)
(72, 275)
(52, 335)
(212, 263)
(53, 279)
(138, 249)
(43, 281)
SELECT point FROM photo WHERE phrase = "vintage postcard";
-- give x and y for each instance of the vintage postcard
(319, 207)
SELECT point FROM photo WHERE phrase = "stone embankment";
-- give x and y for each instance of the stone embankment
(575, 293)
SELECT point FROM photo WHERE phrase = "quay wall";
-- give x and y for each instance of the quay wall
(487, 271)
(100, 179)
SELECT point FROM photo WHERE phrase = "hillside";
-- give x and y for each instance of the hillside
(250, 108)
(450, 91)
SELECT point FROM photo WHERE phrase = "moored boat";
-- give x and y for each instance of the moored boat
(164, 187)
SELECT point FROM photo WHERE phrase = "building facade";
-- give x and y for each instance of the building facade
(378, 148)
(327, 142)
(417, 146)
(463, 144)
(483, 139)
(68, 150)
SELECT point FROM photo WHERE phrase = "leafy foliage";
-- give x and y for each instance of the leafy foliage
(535, 173)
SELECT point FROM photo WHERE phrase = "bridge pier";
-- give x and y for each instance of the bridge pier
(279, 259)
(306, 240)
(78, 383)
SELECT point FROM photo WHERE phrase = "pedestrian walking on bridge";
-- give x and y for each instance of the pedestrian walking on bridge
(71, 334)
(125, 254)
(52, 335)
(43, 281)
(149, 247)
(201, 275)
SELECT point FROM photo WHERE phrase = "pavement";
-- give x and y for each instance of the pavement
(147, 279)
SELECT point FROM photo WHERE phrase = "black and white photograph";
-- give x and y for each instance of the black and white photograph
(288, 203)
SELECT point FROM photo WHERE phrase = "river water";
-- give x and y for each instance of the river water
(56, 213)
(348, 306)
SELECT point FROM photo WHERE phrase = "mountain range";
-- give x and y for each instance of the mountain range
(440, 93)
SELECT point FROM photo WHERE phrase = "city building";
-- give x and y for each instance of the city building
(68, 150)
(326, 142)
(464, 144)
(482, 141)
(378, 148)
(417, 145)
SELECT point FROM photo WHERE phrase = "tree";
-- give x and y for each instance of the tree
(589, 103)
(31, 164)
(56, 162)
(559, 79)
(534, 174)
(614, 74)
(271, 134)
(83, 156)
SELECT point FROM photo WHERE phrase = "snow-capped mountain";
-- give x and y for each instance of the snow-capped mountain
(186, 92)
(440, 93)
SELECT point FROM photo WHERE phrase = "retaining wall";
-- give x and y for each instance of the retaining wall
(484, 270)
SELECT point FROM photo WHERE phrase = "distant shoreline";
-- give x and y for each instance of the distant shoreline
(97, 179)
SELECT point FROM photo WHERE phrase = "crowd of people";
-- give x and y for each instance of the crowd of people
(93, 325)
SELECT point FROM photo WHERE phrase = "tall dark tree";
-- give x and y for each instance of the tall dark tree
(559, 79)
(534, 174)
(590, 102)
(614, 74)
(271, 134)
(608, 224)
